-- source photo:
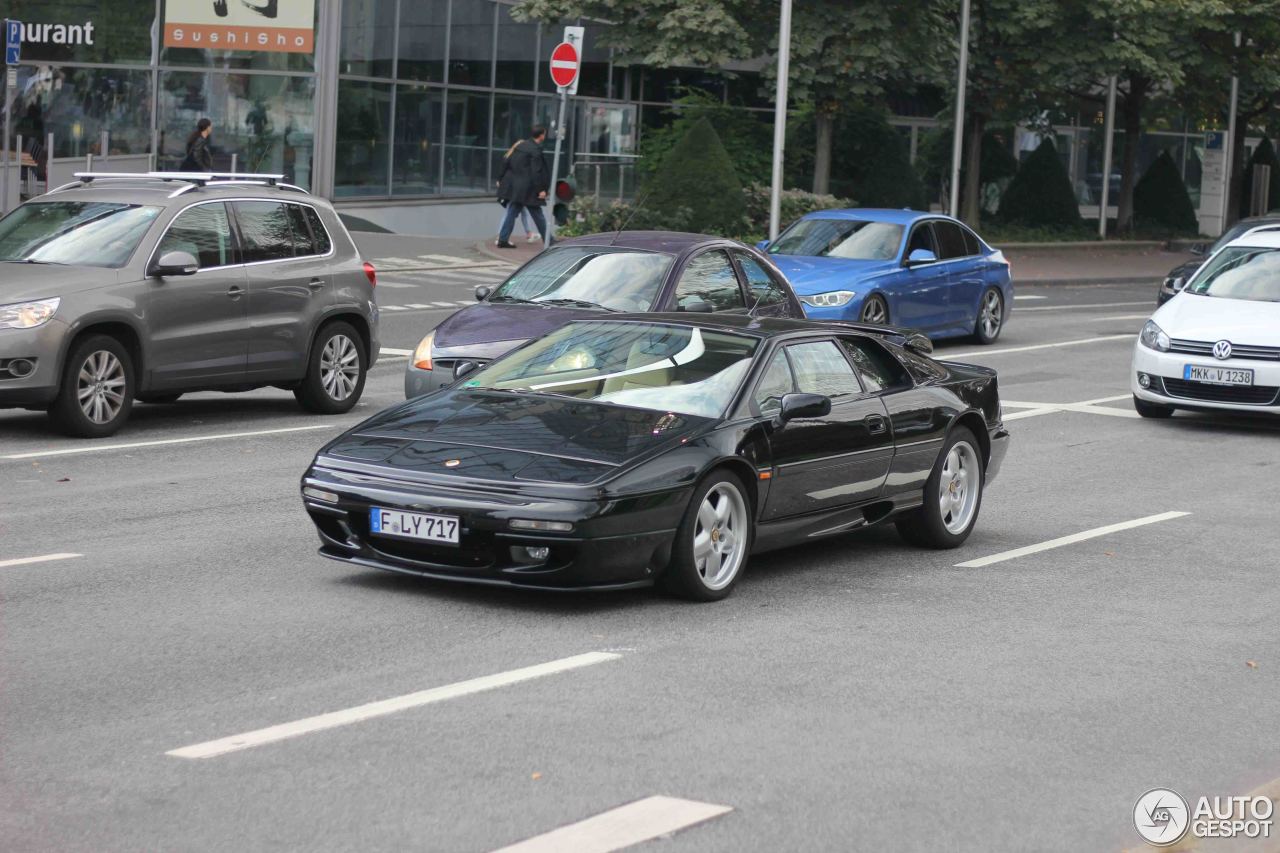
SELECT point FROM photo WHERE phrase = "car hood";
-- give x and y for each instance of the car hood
(513, 437)
(486, 322)
(809, 275)
(19, 282)
(1211, 318)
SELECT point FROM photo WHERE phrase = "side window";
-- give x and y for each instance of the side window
(303, 242)
(709, 277)
(264, 230)
(203, 231)
(764, 290)
(821, 369)
(321, 234)
(922, 238)
(876, 367)
(777, 380)
(971, 246)
(951, 239)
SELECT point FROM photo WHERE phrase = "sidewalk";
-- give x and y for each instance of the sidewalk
(1092, 266)
(524, 251)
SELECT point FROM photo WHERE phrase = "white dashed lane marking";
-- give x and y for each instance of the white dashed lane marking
(951, 356)
(1069, 540)
(369, 711)
(622, 827)
(47, 558)
(133, 445)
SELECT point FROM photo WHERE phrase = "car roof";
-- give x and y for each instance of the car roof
(1260, 239)
(672, 242)
(876, 214)
(171, 193)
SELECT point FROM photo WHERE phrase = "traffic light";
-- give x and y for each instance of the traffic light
(565, 193)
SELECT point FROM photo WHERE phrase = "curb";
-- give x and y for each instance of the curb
(1095, 245)
(1087, 282)
(517, 257)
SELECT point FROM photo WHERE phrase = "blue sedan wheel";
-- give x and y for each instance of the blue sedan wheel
(875, 311)
(990, 317)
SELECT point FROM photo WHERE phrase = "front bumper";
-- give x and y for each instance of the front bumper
(1168, 388)
(602, 551)
(41, 346)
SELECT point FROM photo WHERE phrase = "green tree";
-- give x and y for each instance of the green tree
(698, 175)
(1161, 198)
(1040, 193)
(747, 139)
(1263, 155)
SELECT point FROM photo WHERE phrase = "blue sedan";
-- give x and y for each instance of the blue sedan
(905, 267)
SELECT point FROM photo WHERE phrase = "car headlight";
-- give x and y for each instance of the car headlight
(832, 299)
(28, 315)
(1153, 337)
(1173, 283)
(422, 355)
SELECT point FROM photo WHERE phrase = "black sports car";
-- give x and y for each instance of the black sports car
(617, 452)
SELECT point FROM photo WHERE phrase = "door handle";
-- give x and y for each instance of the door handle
(315, 283)
(235, 292)
(876, 424)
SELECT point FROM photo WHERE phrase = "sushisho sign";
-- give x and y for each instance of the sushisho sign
(286, 26)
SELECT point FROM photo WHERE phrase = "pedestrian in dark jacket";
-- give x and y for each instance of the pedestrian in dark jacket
(199, 158)
(523, 184)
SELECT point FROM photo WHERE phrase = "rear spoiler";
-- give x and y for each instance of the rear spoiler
(911, 339)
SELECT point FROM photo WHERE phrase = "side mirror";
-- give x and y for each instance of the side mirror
(174, 263)
(920, 257)
(763, 245)
(919, 344)
(698, 307)
(804, 406)
(463, 368)
(482, 292)
(1198, 249)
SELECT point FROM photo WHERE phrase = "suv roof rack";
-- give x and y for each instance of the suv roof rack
(190, 180)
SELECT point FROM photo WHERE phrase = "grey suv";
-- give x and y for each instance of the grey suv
(116, 288)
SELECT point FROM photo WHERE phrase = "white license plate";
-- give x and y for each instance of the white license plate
(1217, 375)
(413, 525)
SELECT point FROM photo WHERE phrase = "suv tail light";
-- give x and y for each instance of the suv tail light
(370, 273)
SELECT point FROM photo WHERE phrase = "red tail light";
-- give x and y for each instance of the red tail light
(370, 273)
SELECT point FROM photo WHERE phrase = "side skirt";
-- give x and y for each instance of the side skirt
(796, 530)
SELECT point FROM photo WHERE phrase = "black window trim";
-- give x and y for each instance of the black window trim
(892, 389)
(938, 243)
(735, 253)
(743, 292)
(785, 344)
(235, 230)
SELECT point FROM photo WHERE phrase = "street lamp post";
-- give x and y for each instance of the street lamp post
(780, 118)
(1229, 148)
(957, 140)
(1109, 126)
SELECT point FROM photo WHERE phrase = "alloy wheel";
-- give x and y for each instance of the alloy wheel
(100, 387)
(340, 367)
(992, 313)
(720, 536)
(873, 311)
(958, 487)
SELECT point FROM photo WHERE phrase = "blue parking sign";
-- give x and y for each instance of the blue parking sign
(12, 42)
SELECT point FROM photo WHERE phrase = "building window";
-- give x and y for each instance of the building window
(368, 38)
(471, 43)
(423, 27)
(416, 157)
(517, 66)
(466, 146)
(363, 139)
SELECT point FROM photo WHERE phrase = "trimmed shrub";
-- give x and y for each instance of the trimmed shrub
(1040, 193)
(592, 218)
(697, 174)
(1160, 198)
(1263, 155)
(794, 204)
(747, 138)
(873, 161)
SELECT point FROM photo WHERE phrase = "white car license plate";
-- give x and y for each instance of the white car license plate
(413, 525)
(1217, 375)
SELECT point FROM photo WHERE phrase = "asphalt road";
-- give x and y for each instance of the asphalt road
(855, 694)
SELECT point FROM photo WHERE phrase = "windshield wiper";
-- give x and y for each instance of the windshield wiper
(34, 261)
(514, 299)
(580, 303)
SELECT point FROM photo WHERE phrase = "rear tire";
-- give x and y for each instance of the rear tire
(336, 373)
(1151, 410)
(713, 541)
(96, 393)
(952, 495)
(990, 320)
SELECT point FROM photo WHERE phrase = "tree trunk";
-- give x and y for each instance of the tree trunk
(824, 131)
(1133, 104)
(971, 190)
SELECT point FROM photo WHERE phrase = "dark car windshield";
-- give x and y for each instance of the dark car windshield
(610, 277)
(1240, 272)
(79, 233)
(840, 238)
(677, 369)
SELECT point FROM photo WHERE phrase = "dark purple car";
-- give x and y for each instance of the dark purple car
(626, 272)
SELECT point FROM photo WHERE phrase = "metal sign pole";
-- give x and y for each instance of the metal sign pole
(1109, 127)
(4, 189)
(555, 170)
(12, 56)
(780, 120)
(957, 139)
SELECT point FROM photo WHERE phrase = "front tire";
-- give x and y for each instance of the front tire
(990, 316)
(336, 373)
(1151, 410)
(96, 394)
(875, 311)
(713, 541)
(952, 496)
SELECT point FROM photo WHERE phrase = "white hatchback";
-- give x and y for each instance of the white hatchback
(1216, 345)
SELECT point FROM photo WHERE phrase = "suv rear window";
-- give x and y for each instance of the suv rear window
(265, 231)
(323, 243)
(75, 233)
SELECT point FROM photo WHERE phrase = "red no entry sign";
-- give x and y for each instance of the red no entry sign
(564, 64)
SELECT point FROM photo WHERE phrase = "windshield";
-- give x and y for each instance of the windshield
(608, 277)
(74, 233)
(840, 238)
(1240, 272)
(677, 369)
